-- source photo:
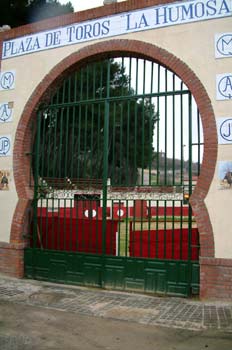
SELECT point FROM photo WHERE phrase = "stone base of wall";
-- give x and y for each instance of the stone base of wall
(216, 279)
(12, 259)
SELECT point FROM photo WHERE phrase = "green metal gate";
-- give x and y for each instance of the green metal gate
(116, 156)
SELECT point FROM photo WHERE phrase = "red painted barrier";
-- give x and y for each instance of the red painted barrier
(91, 210)
(71, 229)
(169, 211)
(73, 234)
(161, 244)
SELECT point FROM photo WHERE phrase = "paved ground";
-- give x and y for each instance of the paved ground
(42, 316)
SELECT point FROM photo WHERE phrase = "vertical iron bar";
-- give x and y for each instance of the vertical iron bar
(85, 174)
(87, 82)
(173, 228)
(91, 143)
(76, 204)
(63, 92)
(58, 225)
(53, 226)
(71, 224)
(36, 180)
(158, 129)
(130, 68)
(149, 229)
(43, 144)
(79, 141)
(151, 131)
(190, 191)
(105, 162)
(150, 156)
(101, 80)
(81, 85)
(157, 231)
(181, 229)
(144, 76)
(173, 134)
(46, 225)
(67, 139)
(73, 155)
(120, 236)
(99, 145)
(165, 229)
(75, 86)
(60, 148)
(113, 142)
(135, 139)
(122, 73)
(121, 144)
(143, 141)
(48, 135)
(55, 157)
(181, 139)
(105, 174)
(165, 131)
(94, 81)
(133, 228)
(69, 88)
(65, 224)
(152, 77)
(137, 76)
(128, 145)
(127, 223)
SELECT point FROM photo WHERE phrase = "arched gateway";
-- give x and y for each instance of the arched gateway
(110, 146)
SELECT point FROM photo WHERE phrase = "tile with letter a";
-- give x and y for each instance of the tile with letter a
(224, 86)
(6, 112)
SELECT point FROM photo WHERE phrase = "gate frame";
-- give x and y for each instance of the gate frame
(22, 146)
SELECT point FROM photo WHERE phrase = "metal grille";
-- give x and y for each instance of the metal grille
(116, 157)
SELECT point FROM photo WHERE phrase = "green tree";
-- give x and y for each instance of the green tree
(42, 9)
(73, 138)
(19, 12)
(13, 12)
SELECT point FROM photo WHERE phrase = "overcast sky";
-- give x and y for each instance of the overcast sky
(80, 5)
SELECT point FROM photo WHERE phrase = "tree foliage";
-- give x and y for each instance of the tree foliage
(74, 138)
(19, 12)
(42, 9)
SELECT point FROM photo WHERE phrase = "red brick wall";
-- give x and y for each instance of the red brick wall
(216, 278)
(11, 259)
(9, 255)
(12, 254)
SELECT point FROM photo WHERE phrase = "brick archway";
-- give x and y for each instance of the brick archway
(101, 50)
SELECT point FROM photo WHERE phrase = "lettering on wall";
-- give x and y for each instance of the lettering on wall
(6, 112)
(224, 86)
(119, 24)
(223, 45)
(224, 128)
(5, 145)
(7, 80)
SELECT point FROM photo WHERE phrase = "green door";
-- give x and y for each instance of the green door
(116, 156)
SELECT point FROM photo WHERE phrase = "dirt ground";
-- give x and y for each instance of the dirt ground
(24, 327)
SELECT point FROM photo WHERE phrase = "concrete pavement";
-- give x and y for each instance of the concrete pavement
(32, 307)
